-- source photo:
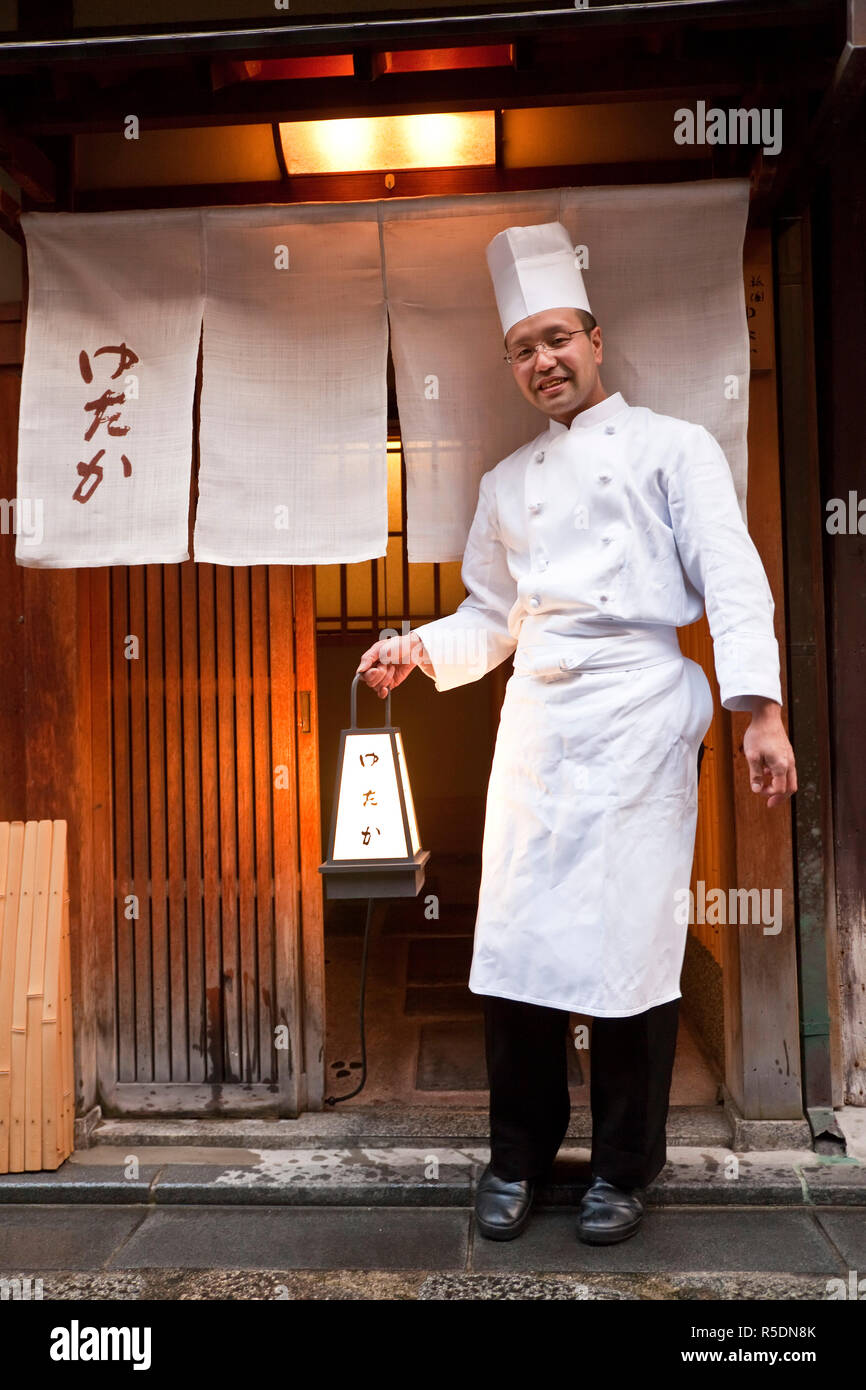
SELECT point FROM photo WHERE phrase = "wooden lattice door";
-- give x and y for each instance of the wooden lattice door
(205, 803)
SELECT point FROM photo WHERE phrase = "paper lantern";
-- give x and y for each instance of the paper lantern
(374, 850)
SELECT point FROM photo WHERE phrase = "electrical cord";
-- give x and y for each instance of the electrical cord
(332, 1100)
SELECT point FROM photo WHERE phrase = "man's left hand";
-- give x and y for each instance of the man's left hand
(772, 770)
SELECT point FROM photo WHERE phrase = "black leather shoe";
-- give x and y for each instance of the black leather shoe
(502, 1208)
(609, 1214)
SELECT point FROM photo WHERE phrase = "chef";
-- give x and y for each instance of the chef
(589, 547)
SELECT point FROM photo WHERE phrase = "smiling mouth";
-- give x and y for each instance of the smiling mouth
(551, 382)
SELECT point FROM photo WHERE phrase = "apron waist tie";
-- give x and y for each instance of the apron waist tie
(628, 648)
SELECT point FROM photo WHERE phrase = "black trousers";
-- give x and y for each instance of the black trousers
(631, 1067)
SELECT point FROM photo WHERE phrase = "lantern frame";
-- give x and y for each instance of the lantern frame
(398, 876)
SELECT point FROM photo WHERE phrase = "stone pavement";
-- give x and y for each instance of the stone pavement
(203, 1222)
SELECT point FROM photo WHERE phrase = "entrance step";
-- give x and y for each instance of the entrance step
(412, 1175)
(384, 1126)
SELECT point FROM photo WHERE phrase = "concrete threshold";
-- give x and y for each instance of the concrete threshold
(385, 1126)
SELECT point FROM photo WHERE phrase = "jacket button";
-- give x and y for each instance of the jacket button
(534, 601)
(535, 506)
(603, 598)
(610, 429)
(539, 457)
(604, 477)
(606, 540)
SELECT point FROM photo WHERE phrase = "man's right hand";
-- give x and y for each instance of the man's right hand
(387, 663)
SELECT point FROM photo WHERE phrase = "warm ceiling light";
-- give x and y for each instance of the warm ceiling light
(499, 55)
(226, 72)
(439, 141)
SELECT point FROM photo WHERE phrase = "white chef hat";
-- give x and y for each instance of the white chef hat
(534, 268)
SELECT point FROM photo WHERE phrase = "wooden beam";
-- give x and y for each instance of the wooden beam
(843, 101)
(578, 79)
(266, 39)
(49, 19)
(410, 183)
(27, 165)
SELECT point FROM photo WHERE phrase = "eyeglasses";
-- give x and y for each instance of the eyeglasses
(527, 354)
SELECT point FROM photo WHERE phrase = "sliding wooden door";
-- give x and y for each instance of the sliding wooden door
(207, 903)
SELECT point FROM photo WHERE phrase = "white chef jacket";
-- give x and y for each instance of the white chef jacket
(636, 524)
(589, 547)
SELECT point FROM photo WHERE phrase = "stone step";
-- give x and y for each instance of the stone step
(385, 1126)
(428, 1175)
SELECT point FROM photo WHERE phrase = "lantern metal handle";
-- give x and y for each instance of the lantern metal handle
(354, 723)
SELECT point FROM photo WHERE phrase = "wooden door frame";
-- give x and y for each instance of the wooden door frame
(311, 888)
(763, 1072)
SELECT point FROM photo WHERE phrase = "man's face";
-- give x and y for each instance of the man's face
(564, 381)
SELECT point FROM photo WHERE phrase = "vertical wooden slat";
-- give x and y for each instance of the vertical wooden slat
(18, 1058)
(11, 852)
(103, 896)
(192, 817)
(36, 1064)
(312, 982)
(56, 1029)
(80, 813)
(246, 791)
(67, 1092)
(139, 781)
(33, 1074)
(263, 783)
(50, 1042)
(125, 928)
(286, 880)
(158, 857)
(231, 970)
(210, 826)
(174, 812)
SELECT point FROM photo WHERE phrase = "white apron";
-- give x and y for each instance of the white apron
(590, 828)
(589, 547)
